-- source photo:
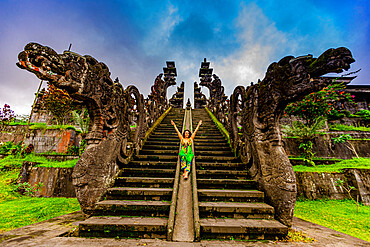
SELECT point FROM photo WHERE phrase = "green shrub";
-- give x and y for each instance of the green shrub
(359, 163)
(343, 127)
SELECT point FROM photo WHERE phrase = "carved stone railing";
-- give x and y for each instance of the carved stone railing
(119, 117)
(253, 118)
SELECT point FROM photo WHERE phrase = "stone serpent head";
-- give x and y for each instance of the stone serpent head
(85, 79)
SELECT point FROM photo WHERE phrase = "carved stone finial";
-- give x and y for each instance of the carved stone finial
(188, 105)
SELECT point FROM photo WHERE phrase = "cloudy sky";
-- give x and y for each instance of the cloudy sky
(136, 38)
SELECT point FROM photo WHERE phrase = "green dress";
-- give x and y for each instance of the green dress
(186, 154)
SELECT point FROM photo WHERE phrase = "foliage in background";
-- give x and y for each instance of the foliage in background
(323, 103)
(58, 103)
(6, 116)
(339, 215)
(340, 183)
(17, 161)
(360, 163)
(306, 133)
(364, 115)
(27, 189)
(82, 120)
(343, 127)
(8, 147)
(345, 139)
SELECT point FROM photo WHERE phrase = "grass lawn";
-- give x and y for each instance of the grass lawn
(360, 163)
(17, 210)
(340, 215)
(17, 161)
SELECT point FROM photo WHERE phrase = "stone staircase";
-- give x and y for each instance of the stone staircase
(138, 204)
(230, 206)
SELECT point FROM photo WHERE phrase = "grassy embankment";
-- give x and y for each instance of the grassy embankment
(339, 215)
(359, 163)
(17, 210)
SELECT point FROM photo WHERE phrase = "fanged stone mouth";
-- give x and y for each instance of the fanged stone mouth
(39, 65)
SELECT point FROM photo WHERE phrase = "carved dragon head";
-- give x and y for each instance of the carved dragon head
(294, 75)
(85, 79)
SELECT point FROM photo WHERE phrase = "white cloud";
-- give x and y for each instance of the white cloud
(154, 43)
(260, 41)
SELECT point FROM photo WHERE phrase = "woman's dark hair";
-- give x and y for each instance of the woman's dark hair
(183, 134)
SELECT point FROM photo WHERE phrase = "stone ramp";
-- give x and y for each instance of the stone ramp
(230, 206)
(138, 204)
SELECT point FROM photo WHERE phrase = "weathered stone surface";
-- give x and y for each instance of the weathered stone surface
(314, 185)
(57, 181)
(261, 107)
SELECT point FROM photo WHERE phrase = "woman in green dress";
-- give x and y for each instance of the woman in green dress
(186, 154)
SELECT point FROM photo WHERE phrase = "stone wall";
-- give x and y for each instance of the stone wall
(57, 181)
(314, 185)
(52, 140)
(14, 134)
(44, 140)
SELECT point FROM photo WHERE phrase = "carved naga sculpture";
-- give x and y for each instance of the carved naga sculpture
(111, 110)
(258, 108)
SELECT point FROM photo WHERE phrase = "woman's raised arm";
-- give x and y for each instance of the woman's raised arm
(178, 132)
(195, 131)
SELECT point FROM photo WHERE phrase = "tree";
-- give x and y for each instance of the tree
(6, 116)
(323, 103)
(58, 103)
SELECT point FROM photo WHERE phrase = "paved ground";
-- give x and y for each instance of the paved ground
(48, 233)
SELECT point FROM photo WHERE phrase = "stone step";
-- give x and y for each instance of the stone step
(158, 157)
(164, 138)
(213, 141)
(159, 143)
(227, 153)
(203, 158)
(248, 229)
(146, 172)
(133, 227)
(132, 208)
(236, 166)
(162, 147)
(133, 193)
(209, 132)
(212, 147)
(207, 145)
(161, 133)
(226, 184)
(142, 182)
(159, 152)
(152, 164)
(237, 195)
(236, 210)
(209, 137)
(230, 174)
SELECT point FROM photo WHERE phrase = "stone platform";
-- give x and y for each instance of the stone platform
(50, 232)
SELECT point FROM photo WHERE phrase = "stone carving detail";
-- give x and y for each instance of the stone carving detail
(200, 100)
(111, 109)
(177, 100)
(216, 90)
(258, 108)
(157, 101)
